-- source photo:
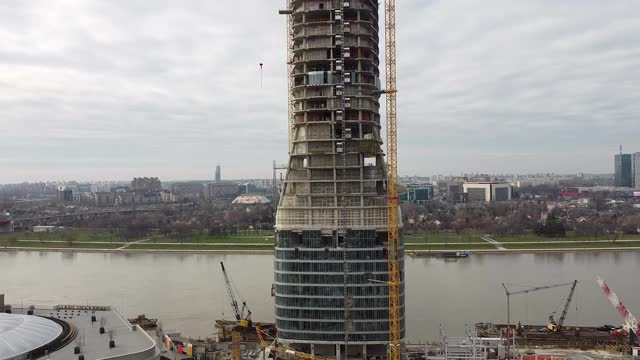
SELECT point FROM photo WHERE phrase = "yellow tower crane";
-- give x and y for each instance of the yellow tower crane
(290, 105)
(393, 237)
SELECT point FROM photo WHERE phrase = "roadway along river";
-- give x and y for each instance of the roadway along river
(187, 292)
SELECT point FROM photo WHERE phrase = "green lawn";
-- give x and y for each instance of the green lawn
(571, 245)
(264, 240)
(65, 245)
(441, 237)
(570, 237)
(93, 235)
(257, 237)
(452, 246)
(105, 236)
(147, 246)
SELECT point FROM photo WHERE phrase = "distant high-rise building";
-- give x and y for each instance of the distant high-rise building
(218, 174)
(636, 170)
(146, 184)
(623, 170)
(64, 194)
(331, 223)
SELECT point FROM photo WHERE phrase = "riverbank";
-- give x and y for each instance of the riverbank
(263, 250)
(87, 240)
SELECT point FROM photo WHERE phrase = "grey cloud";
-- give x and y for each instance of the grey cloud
(171, 88)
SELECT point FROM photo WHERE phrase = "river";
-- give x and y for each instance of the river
(187, 292)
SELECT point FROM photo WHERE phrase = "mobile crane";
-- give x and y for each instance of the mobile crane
(551, 326)
(631, 324)
(243, 315)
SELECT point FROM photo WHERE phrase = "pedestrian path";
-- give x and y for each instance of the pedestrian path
(131, 243)
(497, 244)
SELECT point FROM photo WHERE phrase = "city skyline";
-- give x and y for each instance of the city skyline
(103, 90)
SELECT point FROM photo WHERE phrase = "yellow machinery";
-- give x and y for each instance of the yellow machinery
(284, 350)
(554, 326)
(243, 316)
(235, 345)
(393, 237)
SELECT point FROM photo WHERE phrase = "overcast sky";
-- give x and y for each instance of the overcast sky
(112, 89)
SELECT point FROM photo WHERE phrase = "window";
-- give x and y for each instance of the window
(370, 161)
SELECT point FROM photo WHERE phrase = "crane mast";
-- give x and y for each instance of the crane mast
(290, 102)
(393, 233)
(558, 326)
(243, 320)
(630, 321)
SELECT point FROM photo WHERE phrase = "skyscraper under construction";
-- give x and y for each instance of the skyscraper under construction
(331, 225)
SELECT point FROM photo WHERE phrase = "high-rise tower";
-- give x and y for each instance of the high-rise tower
(218, 175)
(623, 166)
(331, 224)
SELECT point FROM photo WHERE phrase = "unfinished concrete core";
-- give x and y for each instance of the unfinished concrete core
(331, 224)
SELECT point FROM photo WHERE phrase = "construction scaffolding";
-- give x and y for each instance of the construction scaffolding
(468, 347)
(333, 211)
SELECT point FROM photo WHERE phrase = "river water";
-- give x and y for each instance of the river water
(187, 292)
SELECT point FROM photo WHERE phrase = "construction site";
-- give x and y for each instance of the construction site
(339, 284)
(339, 260)
(339, 257)
(244, 338)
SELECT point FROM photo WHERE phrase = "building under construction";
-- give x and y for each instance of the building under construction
(331, 265)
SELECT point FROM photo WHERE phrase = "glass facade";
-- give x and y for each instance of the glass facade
(326, 283)
(623, 170)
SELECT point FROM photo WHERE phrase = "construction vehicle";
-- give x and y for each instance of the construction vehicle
(537, 288)
(243, 315)
(631, 324)
(554, 326)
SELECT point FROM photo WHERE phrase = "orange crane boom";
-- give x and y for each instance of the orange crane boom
(393, 236)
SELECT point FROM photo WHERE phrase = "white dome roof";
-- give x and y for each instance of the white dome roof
(21, 334)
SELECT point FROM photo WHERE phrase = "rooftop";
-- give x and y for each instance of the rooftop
(251, 200)
(131, 342)
(20, 334)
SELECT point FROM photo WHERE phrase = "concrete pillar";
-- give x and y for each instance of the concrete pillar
(364, 352)
(338, 352)
(313, 349)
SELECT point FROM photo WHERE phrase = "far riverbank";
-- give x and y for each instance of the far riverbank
(98, 240)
